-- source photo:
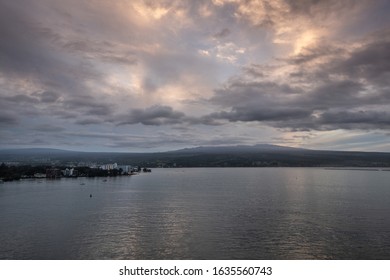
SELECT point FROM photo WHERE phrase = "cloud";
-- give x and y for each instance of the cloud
(337, 87)
(7, 118)
(222, 34)
(370, 62)
(88, 121)
(247, 65)
(87, 106)
(101, 51)
(155, 115)
(356, 120)
(48, 96)
(48, 128)
(246, 114)
(20, 98)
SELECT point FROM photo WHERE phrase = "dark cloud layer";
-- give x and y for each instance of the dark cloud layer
(332, 91)
(8, 119)
(156, 115)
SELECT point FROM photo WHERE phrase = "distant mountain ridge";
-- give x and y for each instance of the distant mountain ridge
(261, 155)
(237, 148)
(35, 151)
(199, 149)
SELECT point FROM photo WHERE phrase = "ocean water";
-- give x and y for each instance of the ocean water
(200, 213)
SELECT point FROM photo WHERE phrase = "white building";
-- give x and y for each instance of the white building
(110, 166)
(125, 168)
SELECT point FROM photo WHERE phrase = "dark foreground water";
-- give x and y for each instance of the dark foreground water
(231, 213)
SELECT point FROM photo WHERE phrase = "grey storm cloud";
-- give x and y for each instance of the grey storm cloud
(87, 106)
(48, 128)
(21, 98)
(246, 114)
(88, 121)
(48, 96)
(371, 62)
(336, 94)
(356, 120)
(346, 82)
(7, 118)
(29, 50)
(155, 115)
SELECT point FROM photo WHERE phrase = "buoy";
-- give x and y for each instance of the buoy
(90, 195)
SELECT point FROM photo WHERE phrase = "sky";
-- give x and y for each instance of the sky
(150, 76)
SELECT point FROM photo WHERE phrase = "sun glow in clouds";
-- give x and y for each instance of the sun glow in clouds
(293, 72)
(155, 12)
(307, 39)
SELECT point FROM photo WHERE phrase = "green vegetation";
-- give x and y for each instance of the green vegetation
(10, 173)
(31, 161)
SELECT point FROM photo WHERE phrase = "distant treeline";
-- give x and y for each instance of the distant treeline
(296, 158)
(10, 173)
(236, 156)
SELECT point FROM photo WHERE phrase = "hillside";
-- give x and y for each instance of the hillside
(227, 156)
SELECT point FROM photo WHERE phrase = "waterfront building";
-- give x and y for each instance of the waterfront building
(110, 166)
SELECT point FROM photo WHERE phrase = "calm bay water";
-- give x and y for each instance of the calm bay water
(200, 213)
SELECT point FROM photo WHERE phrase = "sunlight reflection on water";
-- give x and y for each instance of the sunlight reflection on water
(199, 213)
